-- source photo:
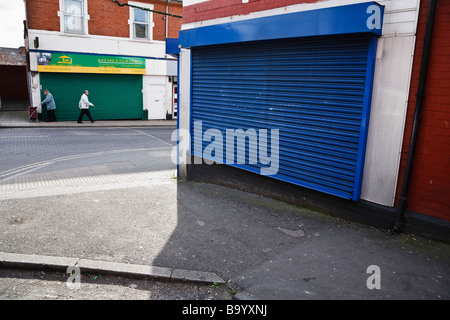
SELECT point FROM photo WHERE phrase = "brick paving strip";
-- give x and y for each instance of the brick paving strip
(85, 184)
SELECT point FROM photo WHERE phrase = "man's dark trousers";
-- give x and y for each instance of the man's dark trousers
(51, 115)
(82, 113)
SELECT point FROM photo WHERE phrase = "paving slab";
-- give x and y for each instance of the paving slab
(32, 261)
(19, 119)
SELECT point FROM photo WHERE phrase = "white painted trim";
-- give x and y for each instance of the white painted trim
(54, 41)
(184, 89)
(93, 36)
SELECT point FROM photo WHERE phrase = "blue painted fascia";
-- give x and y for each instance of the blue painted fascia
(348, 19)
(368, 90)
(172, 46)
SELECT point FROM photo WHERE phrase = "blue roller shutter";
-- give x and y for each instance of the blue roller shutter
(316, 91)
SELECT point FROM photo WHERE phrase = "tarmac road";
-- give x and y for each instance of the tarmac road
(109, 194)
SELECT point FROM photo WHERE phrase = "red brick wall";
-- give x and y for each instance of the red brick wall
(43, 14)
(213, 9)
(106, 17)
(160, 23)
(430, 181)
(175, 23)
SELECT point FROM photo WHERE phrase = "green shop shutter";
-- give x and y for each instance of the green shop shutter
(116, 97)
(316, 91)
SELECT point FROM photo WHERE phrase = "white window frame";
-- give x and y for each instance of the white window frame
(85, 19)
(131, 22)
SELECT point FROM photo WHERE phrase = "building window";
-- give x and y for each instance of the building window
(141, 24)
(141, 21)
(73, 16)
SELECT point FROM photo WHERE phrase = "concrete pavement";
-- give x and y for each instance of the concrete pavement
(267, 249)
(105, 217)
(19, 119)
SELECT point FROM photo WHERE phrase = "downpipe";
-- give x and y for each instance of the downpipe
(401, 218)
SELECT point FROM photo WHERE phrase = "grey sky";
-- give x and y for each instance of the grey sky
(12, 14)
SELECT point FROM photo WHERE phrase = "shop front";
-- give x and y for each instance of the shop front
(114, 83)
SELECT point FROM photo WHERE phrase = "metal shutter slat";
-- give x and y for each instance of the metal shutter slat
(312, 90)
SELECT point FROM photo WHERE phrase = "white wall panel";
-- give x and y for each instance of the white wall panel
(184, 98)
(155, 67)
(36, 91)
(389, 101)
(172, 66)
(54, 41)
(387, 118)
(400, 17)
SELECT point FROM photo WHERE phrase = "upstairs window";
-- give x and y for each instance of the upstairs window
(73, 16)
(141, 24)
(141, 21)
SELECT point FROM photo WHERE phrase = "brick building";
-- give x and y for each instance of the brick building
(13, 79)
(116, 49)
(341, 91)
(429, 190)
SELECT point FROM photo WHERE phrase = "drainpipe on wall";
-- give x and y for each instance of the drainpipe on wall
(167, 18)
(401, 217)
